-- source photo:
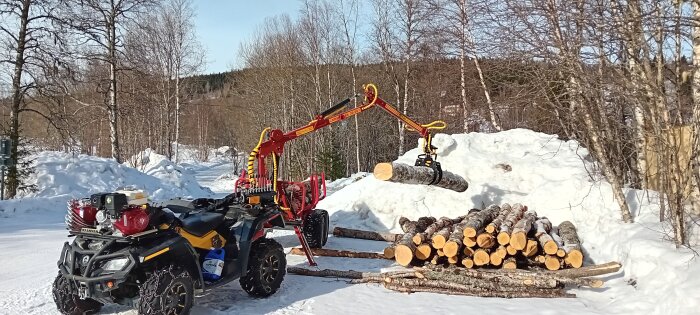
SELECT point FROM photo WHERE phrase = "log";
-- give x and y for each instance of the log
(506, 227)
(423, 237)
(495, 259)
(439, 239)
(338, 253)
(479, 220)
(589, 271)
(502, 251)
(572, 244)
(440, 252)
(481, 257)
(510, 263)
(423, 251)
(530, 248)
(513, 277)
(468, 262)
(542, 229)
(405, 248)
(511, 250)
(347, 274)
(468, 252)
(561, 253)
(455, 243)
(366, 235)
(469, 241)
(487, 281)
(421, 175)
(552, 262)
(452, 260)
(480, 293)
(390, 252)
(518, 238)
(485, 240)
(492, 227)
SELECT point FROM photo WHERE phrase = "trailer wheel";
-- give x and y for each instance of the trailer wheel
(67, 300)
(266, 268)
(316, 228)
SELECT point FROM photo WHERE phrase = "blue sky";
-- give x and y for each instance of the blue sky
(222, 25)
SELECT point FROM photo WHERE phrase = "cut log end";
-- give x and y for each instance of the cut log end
(574, 258)
(383, 171)
(439, 241)
(389, 252)
(550, 248)
(451, 249)
(495, 259)
(518, 240)
(403, 255)
(423, 251)
(561, 253)
(469, 232)
(485, 240)
(503, 238)
(469, 241)
(468, 263)
(418, 239)
(468, 252)
(552, 262)
(481, 257)
(530, 249)
(490, 228)
(510, 263)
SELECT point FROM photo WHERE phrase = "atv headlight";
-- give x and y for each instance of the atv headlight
(115, 264)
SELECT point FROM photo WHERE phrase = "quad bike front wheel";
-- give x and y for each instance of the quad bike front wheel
(315, 228)
(267, 266)
(67, 301)
(168, 291)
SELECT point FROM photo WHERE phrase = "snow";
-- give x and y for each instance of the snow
(556, 178)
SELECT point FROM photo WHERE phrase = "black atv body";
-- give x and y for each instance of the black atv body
(143, 270)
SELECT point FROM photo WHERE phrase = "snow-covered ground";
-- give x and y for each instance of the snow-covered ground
(549, 175)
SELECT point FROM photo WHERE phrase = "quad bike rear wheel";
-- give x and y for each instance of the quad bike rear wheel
(315, 228)
(168, 291)
(267, 266)
(67, 300)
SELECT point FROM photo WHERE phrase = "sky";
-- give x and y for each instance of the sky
(222, 25)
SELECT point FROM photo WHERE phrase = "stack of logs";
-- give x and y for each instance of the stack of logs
(505, 237)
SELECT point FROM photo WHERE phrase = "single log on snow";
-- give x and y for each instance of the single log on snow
(338, 253)
(480, 293)
(515, 214)
(475, 223)
(542, 229)
(405, 248)
(347, 274)
(572, 244)
(366, 235)
(492, 227)
(421, 175)
(590, 271)
(518, 238)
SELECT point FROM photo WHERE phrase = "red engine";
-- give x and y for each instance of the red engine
(133, 220)
(80, 214)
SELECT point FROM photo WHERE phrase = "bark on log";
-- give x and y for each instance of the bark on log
(347, 274)
(488, 281)
(421, 175)
(443, 222)
(518, 238)
(492, 227)
(454, 244)
(589, 271)
(561, 253)
(517, 277)
(366, 235)
(572, 244)
(542, 229)
(338, 253)
(405, 249)
(479, 293)
(479, 220)
(506, 227)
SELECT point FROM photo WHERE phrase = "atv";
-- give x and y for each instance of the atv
(156, 258)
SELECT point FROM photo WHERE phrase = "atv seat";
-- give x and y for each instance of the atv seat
(201, 223)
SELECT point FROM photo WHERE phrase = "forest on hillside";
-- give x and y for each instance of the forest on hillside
(111, 78)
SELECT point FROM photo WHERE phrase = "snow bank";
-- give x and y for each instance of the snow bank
(64, 175)
(552, 177)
